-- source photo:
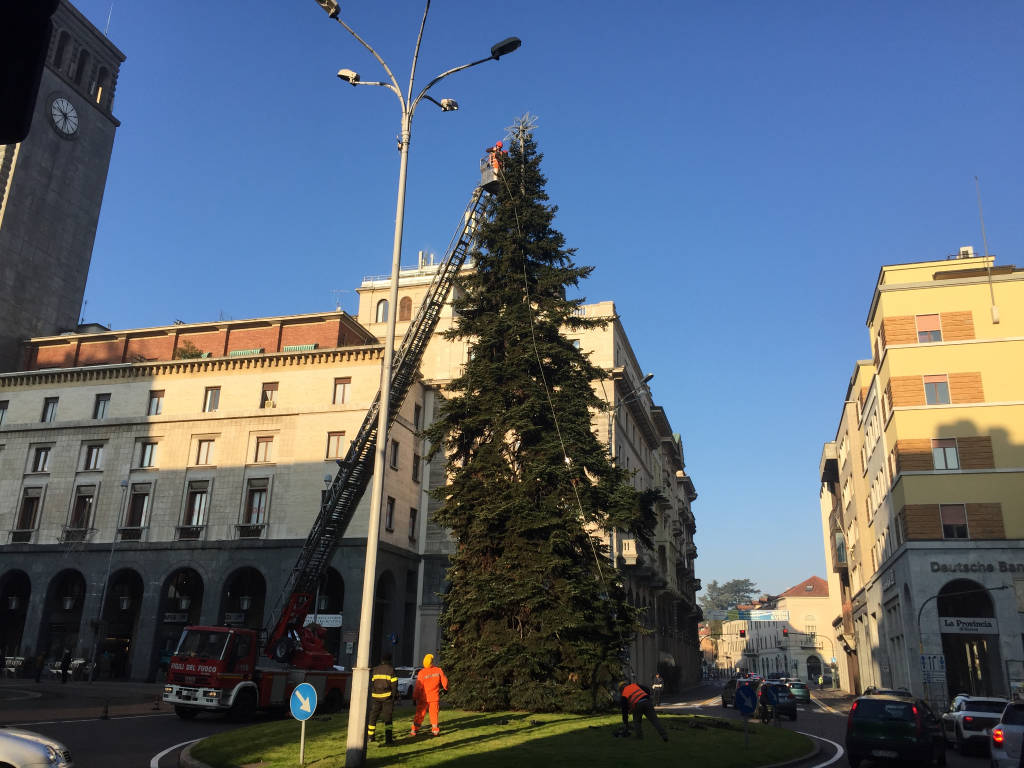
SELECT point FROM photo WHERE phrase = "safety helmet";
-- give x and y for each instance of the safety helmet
(428, 660)
(622, 684)
(498, 145)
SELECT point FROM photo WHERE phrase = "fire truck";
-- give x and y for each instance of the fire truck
(238, 670)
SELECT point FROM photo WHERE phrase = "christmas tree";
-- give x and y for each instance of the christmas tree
(536, 617)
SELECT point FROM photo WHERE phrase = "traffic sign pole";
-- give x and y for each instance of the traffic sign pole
(302, 745)
(303, 705)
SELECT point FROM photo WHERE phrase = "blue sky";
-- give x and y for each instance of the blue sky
(736, 172)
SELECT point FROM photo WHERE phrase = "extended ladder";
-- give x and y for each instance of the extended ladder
(356, 469)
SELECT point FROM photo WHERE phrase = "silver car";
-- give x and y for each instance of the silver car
(406, 680)
(1006, 736)
(27, 749)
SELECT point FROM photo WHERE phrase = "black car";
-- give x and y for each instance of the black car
(784, 700)
(896, 728)
(729, 690)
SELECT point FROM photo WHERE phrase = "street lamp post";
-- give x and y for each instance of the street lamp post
(103, 588)
(355, 748)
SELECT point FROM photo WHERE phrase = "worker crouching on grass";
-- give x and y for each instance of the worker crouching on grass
(383, 692)
(426, 692)
(637, 699)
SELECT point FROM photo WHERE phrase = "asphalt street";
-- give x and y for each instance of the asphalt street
(111, 723)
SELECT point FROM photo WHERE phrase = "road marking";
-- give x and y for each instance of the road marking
(839, 750)
(825, 707)
(87, 720)
(155, 762)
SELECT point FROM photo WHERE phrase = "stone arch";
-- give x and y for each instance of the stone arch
(405, 309)
(814, 668)
(82, 68)
(331, 600)
(15, 593)
(62, 615)
(61, 51)
(381, 314)
(119, 624)
(970, 639)
(102, 85)
(243, 598)
(180, 604)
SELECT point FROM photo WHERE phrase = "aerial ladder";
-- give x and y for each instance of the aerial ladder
(290, 641)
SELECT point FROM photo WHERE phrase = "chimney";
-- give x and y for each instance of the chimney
(966, 252)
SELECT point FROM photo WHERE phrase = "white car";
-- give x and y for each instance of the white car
(968, 720)
(406, 680)
(1007, 735)
(27, 749)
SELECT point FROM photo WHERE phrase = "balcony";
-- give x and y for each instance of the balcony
(130, 533)
(22, 536)
(75, 535)
(190, 532)
(251, 530)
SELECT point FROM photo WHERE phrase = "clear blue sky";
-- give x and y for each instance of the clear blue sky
(736, 172)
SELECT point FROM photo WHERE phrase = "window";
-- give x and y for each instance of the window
(928, 328)
(195, 508)
(413, 514)
(83, 66)
(341, 390)
(99, 408)
(93, 457)
(268, 399)
(204, 452)
(335, 442)
(404, 309)
(255, 502)
(81, 512)
(3, 411)
(41, 459)
(394, 455)
(28, 515)
(156, 403)
(944, 454)
(936, 390)
(147, 455)
(211, 399)
(382, 311)
(417, 417)
(49, 409)
(138, 506)
(264, 450)
(954, 521)
(416, 467)
(389, 515)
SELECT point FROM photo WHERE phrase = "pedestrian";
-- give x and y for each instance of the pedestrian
(637, 699)
(821, 682)
(426, 692)
(383, 693)
(65, 665)
(40, 664)
(657, 686)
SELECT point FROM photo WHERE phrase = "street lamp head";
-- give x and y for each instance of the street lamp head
(331, 6)
(507, 45)
(348, 76)
(647, 378)
(449, 105)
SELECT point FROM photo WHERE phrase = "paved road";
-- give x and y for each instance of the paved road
(824, 719)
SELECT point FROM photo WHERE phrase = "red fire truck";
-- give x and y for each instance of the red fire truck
(230, 669)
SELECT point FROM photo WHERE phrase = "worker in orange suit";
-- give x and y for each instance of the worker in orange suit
(495, 155)
(426, 692)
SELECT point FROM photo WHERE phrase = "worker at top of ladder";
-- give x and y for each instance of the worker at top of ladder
(495, 155)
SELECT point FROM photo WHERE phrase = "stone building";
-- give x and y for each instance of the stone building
(922, 495)
(51, 186)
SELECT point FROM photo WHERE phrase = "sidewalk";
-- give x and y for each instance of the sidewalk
(834, 698)
(24, 700)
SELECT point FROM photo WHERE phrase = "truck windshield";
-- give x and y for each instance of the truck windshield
(202, 644)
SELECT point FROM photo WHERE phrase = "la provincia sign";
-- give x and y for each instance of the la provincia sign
(959, 625)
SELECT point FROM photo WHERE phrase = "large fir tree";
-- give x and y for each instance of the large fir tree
(536, 617)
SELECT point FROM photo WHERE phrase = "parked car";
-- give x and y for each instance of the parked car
(406, 680)
(785, 701)
(28, 749)
(896, 728)
(1007, 735)
(800, 691)
(969, 719)
(729, 690)
(873, 691)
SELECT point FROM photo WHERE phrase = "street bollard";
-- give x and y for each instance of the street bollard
(106, 710)
(156, 703)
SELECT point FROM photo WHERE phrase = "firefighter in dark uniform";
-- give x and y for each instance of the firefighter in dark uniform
(383, 692)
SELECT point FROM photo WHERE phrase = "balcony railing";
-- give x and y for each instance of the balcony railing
(130, 533)
(251, 530)
(22, 536)
(73, 535)
(190, 532)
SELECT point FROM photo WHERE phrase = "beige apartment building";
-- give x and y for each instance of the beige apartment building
(179, 491)
(922, 496)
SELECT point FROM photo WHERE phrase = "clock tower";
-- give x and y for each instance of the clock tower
(51, 186)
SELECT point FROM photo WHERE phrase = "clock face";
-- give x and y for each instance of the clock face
(64, 116)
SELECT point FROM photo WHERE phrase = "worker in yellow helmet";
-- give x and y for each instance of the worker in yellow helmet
(426, 692)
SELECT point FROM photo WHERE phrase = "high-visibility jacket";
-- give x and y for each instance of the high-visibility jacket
(429, 682)
(383, 682)
(633, 694)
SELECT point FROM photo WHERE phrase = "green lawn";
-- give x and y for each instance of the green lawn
(511, 740)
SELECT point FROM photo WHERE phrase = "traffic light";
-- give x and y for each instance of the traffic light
(24, 39)
(785, 631)
(743, 633)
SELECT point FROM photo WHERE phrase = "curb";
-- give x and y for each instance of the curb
(185, 759)
(816, 748)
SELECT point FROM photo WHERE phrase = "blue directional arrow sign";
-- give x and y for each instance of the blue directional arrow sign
(746, 699)
(303, 701)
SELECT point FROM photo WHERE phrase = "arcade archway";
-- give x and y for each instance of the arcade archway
(181, 603)
(970, 639)
(62, 615)
(15, 592)
(242, 604)
(118, 625)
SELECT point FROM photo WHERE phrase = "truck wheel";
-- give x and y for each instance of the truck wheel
(334, 701)
(185, 713)
(244, 707)
(283, 650)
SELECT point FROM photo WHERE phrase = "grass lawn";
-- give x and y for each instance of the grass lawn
(510, 740)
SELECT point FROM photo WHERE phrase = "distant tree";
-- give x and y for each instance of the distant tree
(188, 351)
(719, 597)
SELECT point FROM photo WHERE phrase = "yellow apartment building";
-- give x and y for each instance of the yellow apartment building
(922, 496)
